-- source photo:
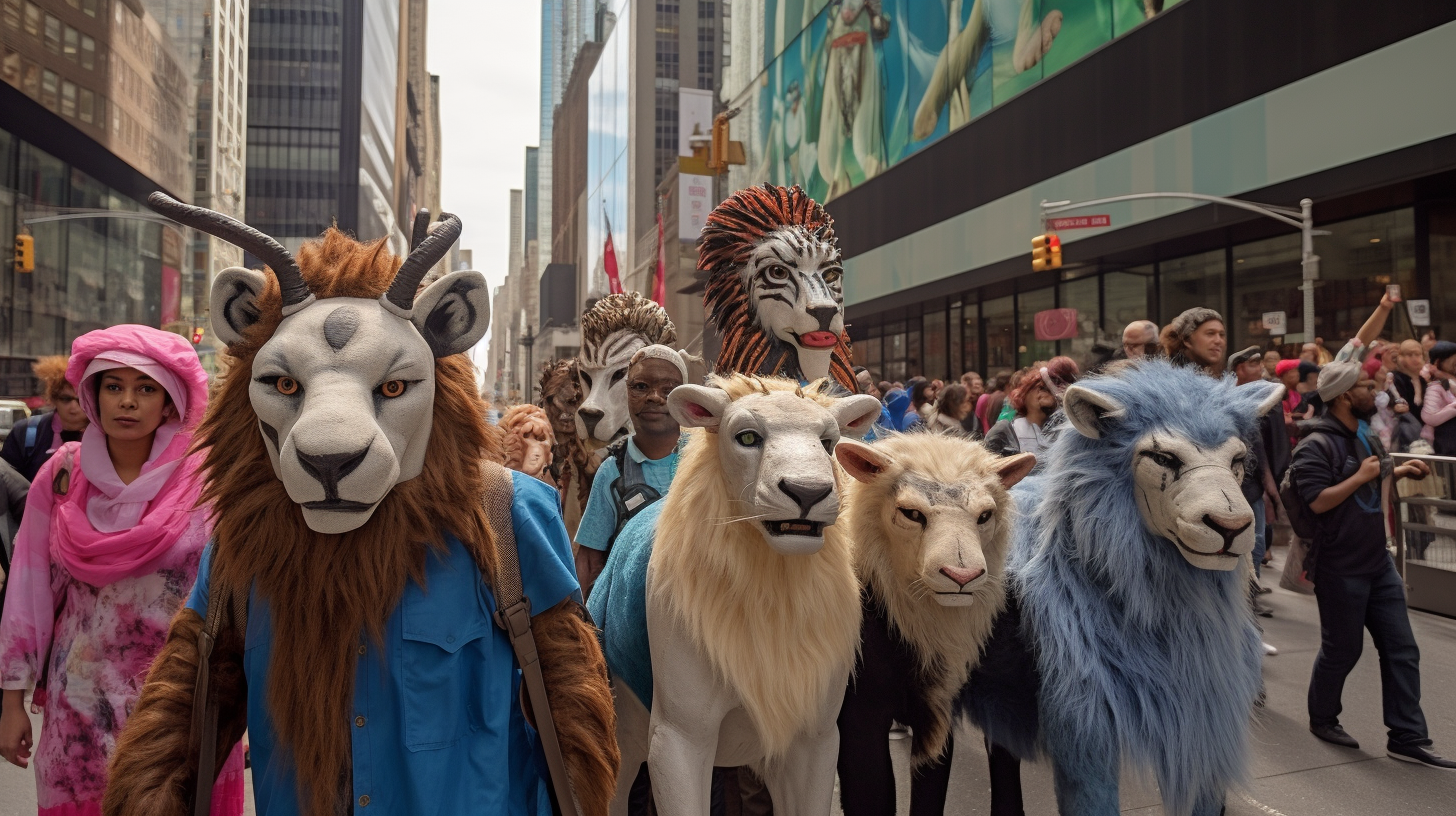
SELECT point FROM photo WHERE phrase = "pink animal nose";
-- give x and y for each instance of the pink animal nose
(960, 575)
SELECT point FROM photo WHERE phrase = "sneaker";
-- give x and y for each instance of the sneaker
(1260, 589)
(1336, 734)
(1270, 650)
(1419, 754)
(899, 732)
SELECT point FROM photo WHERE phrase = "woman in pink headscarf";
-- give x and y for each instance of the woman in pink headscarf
(106, 554)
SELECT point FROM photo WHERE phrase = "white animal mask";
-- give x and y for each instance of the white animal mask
(776, 452)
(602, 374)
(344, 390)
(1186, 493)
(795, 290)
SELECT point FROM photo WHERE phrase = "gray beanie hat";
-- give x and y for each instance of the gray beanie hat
(1337, 378)
(1184, 325)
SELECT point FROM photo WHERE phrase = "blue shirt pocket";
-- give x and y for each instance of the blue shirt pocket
(445, 655)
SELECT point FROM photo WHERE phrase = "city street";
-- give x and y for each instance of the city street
(1294, 773)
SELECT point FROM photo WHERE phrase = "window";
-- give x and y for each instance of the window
(33, 17)
(90, 7)
(68, 99)
(88, 107)
(52, 34)
(1081, 295)
(10, 68)
(1029, 348)
(88, 52)
(30, 79)
(1127, 296)
(50, 88)
(999, 317)
(72, 43)
(1197, 280)
(11, 12)
(935, 347)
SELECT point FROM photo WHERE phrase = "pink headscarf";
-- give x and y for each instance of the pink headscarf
(107, 530)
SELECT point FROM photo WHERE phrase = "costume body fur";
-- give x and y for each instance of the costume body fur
(750, 646)
(1137, 655)
(322, 586)
(932, 517)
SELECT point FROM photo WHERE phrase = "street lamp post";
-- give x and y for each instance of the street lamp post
(527, 341)
(1302, 218)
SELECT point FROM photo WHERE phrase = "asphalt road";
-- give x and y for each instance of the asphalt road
(1295, 774)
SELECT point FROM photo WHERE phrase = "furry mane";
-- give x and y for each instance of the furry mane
(729, 235)
(946, 640)
(712, 570)
(624, 312)
(322, 588)
(1134, 642)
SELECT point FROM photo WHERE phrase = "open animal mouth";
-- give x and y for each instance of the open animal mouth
(819, 339)
(339, 505)
(1224, 553)
(797, 527)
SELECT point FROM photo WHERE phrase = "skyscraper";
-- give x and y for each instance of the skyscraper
(323, 83)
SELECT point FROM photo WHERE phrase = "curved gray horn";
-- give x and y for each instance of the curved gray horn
(402, 292)
(421, 229)
(272, 253)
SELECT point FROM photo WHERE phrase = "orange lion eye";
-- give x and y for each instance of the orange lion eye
(286, 386)
(392, 389)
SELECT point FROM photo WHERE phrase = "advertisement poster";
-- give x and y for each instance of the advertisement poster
(851, 87)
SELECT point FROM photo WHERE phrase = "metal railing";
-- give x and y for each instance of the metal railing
(1425, 533)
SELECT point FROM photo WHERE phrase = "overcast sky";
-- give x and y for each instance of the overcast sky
(488, 58)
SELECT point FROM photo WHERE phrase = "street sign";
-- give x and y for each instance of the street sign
(1079, 222)
(1420, 312)
(1055, 324)
(1277, 323)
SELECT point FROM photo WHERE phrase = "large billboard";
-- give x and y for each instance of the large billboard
(866, 83)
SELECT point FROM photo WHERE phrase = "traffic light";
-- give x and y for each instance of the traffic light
(718, 152)
(1046, 252)
(197, 332)
(24, 253)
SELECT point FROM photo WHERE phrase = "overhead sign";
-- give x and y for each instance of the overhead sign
(1419, 311)
(1055, 324)
(694, 118)
(1277, 323)
(1079, 222)
(694, 201)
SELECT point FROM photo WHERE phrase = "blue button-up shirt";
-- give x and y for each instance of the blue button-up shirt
(437, 726)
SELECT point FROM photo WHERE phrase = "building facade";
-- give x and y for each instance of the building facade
(935, 167)
(323, 90)
(96, 112)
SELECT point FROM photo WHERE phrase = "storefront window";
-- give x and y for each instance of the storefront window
(1030, 349)
(970, 334)
(1443, 270)
(935, 351)
(1267, 277)
(999, 315)
(1081, 294)
(1357, 261)
(953, 331)
(1186, 283)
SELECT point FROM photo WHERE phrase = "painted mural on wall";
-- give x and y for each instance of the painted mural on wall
(852, 87)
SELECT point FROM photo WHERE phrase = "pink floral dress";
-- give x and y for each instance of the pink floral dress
(101, 642)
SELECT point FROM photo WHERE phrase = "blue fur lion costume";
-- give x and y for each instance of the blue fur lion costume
(1130, 637)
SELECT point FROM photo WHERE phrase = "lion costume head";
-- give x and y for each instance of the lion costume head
(775, 286)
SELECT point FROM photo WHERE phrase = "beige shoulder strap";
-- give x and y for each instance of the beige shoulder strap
(221, 602)
(513, 614)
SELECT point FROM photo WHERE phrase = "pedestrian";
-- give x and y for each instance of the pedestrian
(1196, 337)
(638, 470)
(1428, 340)
(922, 396)
(106, 555)
(884, 387)
(975, 387)
(1410, 358)
(1439, 411)
(1259, 485)
(1271, 363)
(1035, 401)
(1340, 470)
(35, 440)
(866, 382)
(950, 410)
(1139, 340)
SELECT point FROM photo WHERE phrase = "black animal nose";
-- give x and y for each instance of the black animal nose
(590, 417)
(1228, 533)
(331, 468)
(825, 315)
(805, 494)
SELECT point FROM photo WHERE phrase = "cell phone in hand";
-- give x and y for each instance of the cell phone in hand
(1393, 291)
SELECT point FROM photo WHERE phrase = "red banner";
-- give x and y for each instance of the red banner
(609, 261)
(1079, 222)
(659, 288)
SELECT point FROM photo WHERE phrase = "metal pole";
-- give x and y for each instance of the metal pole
(1310, 262)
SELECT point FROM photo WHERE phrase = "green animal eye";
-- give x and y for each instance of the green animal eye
(748, 439)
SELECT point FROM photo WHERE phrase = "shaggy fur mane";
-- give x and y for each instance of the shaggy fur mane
(323, 588)
(780, 630)
(624, 312)
(946, 640)
(729, 235)
(1141, 654)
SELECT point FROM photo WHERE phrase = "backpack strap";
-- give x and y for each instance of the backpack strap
(513, 614)
(32, 429)
(222, 602)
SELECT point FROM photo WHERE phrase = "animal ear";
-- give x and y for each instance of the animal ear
(697, 406)
(856, 414)
(234, 303)
(861, 460)
(1013, 469)
(1089, 411)
(453, 313)
(1273, 396)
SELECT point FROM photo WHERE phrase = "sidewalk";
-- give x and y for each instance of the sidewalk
(1295, 774)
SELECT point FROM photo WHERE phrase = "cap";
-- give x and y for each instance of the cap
(1337, 378)
(1240, 357)
(1283, 366)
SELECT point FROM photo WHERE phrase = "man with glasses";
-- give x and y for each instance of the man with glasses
(1339, 469)
(1139, 340)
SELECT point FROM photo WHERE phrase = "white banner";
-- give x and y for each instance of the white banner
(1419, 311)
(1277, 323)
(694, 117)
(694, 202)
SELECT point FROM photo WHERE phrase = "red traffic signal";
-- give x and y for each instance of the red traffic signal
(197, 333)
(1046, 252)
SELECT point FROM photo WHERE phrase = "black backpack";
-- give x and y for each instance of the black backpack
(1301, 517)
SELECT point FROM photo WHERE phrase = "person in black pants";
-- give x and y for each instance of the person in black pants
(1339, 469)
